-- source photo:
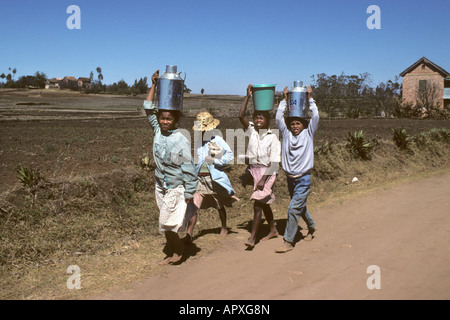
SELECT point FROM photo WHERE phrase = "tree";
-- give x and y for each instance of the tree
(39, 79)
(341, 93)
(427, 97)
(96, 85)
(353, 95)
(387, 97)
(36, 81)
(140, 87)
(100, 75)
(3, 76)
(122, 87)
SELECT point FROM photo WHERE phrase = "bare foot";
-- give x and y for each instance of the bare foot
(250, 244)
(178, 252)
(164, 262)
(176, 258)
(271, 235)
(223, 232)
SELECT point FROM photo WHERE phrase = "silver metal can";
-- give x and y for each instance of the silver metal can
(297, 101)
(169, 90)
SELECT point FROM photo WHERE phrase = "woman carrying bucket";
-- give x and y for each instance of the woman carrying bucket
(263, 154)
(175, 174)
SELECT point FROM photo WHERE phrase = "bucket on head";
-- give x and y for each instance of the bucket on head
(170, 89)
(297, 101)
(263, 96)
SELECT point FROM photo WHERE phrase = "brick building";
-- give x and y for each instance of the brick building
(425, 82)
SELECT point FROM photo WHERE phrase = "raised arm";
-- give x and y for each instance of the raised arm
(314, 122)
(281, 124)
(244, 121)
(149, 108)
(151, 93)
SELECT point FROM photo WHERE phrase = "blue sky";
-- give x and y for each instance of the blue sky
(222, 46)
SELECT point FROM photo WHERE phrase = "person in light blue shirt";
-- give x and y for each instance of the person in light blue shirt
(213, 156)
(297, 160)
(175, 174)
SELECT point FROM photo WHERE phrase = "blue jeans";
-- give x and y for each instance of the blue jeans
(298, 190)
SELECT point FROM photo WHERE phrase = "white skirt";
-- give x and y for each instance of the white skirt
(172, 209)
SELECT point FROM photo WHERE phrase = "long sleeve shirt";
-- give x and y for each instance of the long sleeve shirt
(172, 155)
(297, 155)
(221, 160)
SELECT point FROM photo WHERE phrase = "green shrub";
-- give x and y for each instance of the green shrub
(440, 135)
(324, 149)
(421, 140)
(29, 177)
(401, 139)
(359, 146)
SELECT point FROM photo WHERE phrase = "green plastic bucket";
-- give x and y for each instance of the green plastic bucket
(263, 96)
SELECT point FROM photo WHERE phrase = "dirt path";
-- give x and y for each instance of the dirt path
(404, 230)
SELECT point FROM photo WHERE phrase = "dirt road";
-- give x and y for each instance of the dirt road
(404, 230)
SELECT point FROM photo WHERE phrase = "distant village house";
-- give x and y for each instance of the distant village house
(68, 82)
(426, 84)
(52, 83)
(84, 82)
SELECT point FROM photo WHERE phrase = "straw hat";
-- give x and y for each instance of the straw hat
(205, 122)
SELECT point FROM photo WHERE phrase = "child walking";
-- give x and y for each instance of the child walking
(175, 175)
(213, 183)
(263, 154)
(297, 160)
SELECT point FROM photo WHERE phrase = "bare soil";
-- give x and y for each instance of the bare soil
(402, 229)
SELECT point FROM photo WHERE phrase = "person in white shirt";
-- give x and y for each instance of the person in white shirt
(263, 153)
(297, 160)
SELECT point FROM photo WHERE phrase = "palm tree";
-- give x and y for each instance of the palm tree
(3, 76)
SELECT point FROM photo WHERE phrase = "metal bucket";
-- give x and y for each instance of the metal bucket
(297, 101)
(169, 90)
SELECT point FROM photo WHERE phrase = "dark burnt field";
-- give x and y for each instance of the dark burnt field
(75, 148)
(67, 134)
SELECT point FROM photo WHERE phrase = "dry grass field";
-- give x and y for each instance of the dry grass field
(93, 203)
